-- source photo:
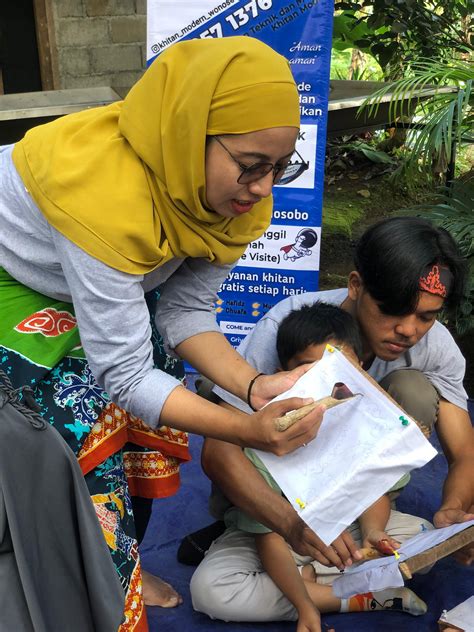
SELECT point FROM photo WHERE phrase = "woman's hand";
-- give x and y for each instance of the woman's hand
(266, 387)
(187, 411)
(258, 430)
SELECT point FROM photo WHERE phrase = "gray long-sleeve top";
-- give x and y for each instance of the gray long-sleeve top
(110, 307)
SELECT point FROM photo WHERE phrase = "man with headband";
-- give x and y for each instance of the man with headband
(406, 272)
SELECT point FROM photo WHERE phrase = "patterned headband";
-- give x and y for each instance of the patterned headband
(436, 280)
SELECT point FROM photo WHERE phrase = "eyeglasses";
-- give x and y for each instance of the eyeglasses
(282, 174)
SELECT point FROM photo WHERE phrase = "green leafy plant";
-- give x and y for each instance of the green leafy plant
(373, 154)
(399, 31)
(441, 94)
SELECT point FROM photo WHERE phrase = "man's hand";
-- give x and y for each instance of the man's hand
(341, 553)
(258, 430)
(456, 435)
(447, 517)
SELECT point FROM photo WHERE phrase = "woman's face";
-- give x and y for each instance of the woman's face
(224, 194)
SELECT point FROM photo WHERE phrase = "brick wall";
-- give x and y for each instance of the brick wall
(100, 42)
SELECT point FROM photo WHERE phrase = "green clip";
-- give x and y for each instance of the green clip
(404, 420)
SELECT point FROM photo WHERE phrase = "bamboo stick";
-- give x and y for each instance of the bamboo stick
(283, 423)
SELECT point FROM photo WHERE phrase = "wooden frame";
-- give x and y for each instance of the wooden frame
(47, 49)
(422, 560)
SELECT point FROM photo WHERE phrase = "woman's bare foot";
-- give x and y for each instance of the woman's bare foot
(157, 592)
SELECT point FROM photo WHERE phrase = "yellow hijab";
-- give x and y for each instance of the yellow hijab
(126, 182)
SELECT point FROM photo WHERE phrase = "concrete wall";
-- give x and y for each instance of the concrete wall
(100, 42)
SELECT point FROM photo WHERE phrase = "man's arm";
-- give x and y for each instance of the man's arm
(456, 436)
(227, 466)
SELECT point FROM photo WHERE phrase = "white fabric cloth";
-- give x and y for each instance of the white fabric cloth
(384, 572)
(366, 434)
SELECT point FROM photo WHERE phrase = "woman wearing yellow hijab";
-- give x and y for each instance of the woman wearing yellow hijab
(140, 207)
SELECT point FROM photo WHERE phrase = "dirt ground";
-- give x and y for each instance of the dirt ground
(351, 204)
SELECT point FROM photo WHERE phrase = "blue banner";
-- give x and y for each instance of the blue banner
(285, 260)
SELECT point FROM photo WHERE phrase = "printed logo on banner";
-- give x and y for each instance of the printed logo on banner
(288, 247)
(285, 260)
(306, 147)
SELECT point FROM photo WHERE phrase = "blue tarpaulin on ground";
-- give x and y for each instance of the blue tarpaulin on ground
(446, 585)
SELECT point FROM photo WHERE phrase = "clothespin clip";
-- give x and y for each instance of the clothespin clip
(330, 348)
(404, 420)
(300, 503)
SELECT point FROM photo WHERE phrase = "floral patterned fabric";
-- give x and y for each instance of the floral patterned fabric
(119, 455)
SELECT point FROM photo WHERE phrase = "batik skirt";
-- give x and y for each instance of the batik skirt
(119, 455)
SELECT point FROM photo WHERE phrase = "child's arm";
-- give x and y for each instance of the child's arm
(281, 567)
(373, 523)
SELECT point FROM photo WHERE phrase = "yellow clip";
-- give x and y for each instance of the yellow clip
(397, 555)
(300, 503)
(330, 348)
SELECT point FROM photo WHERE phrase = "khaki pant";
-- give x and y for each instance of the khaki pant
(230, 582)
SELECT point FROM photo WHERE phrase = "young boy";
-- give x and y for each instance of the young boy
(220, 583)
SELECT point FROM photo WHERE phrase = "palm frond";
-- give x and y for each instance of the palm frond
(425, 78)
(439, 94)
